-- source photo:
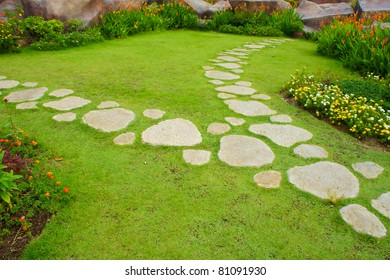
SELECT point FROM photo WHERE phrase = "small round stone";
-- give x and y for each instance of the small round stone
(218, 128)
(30, 84)
(65, 117)
(196, 157)
(261, 96)
(6, 84)
(216, 82)
(127, 138)
(223, 95)
(382, 204)
(281, 118)
(61, 92)
(108, 104)
(154, 114)
(235, 121)
(268, 179)
(27, 106)
(244, 84)
(368, 169)
(310, 151)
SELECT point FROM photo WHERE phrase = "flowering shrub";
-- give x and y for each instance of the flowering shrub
(10, 31)
(364, 117)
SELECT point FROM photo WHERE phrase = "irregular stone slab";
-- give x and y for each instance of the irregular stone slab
(3, 77)
(281, 118)
(228, 58)
(255, 47)
(175, 132)
(310, 151)
(284, 135)
(219, 75)
(236, 53)
(30, 84)
(229, 65)
(242, 50)
(373, 6)
(215, 60)
(239, 150)
(325, 180)
(237, 71)
(208, 68)
(154, 114)
(196, 157)
(6, 84)
(61, 92)
(249, 108)
(108, 104)
(127, 138)
(368, 169)
(362, 220)
(109, 120)
(235, 121)
(26, 95)
(240, 90)
(65, 117)
(27, 106)
(216, 82)
(223, 95)
(242, 62)
(382, 204)
(268, 179)
(261, 96)
(244, 84)
(68, 103)
(218, 128)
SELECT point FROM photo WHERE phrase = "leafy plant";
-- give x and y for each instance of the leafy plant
(7, 182)
(37, 28)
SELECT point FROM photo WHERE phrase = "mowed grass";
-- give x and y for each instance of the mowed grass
(145, 202)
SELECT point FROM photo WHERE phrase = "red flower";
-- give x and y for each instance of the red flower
(21, 219)
(66, 190)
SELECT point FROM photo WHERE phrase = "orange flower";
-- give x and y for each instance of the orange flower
(34, 143)
(66, 190)
(21, 219)
(47, 194)
(58, 183)
(31, 177)
(18, 143)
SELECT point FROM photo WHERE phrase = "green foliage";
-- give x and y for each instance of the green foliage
(37, 28)
(73, 25)
(10, 31)
(288, 21)
(7, 182)
(177, 16)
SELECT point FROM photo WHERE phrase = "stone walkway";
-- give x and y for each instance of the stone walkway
(324, 179)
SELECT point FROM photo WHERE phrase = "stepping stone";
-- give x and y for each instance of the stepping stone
(221, 75)
(175, 132)
(268, 179)
(261, 96)
(196, 157)
(154, 114)
(30, 84)
(228, 58)
(68, 103)
(216, 82)
(215, 60)
(310, 151)
(235, 121)
(249, 108)
(255, 47)
(26, 95)
(281, 118)
(236, 53)
(208, 68)
(362, 220)
(368, 169)
(65, 117)
(127, 138)
(325, 180)
(382, 204)
(108, 104)
(242, 62)
(284, 135)
(223, 95)
(240, 90)
(239, 150)
(229, 65)
(218, 128)
(61, 92)
(244, 84)
(242, 50)
(6, 84)
(3, 77)
(109, 120)
(238, 71)
(27, 106)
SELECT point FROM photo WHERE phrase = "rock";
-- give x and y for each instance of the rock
(223, 95)
(215, 60)
(284, 135)
(249, 108)
(3, 77)
(244, 84)
(261, 96)
(239, 150)
(216, 82)
(65, 117)
(108, 104)
(154, 114)
(208, 68)
(205, 9)
(30, 84)
(268, 179)
(235, 121)
(238, 71)
(240, 90)
(324, 179)
(362, 220)
(196, 157)
(281, 118)
(27, 106)
(382, 204)
(127, 138)
(61, 92)
(368, 169)
(67, 103)
(229, 65)
(6, 84)
(175, 132)
(310, 151)
(26, 95)
(218, 128)
(373, 6)
(254, 5)
(235, 53)
(253, 46)
(242, 62)
(109, 120)
(228, 58)
(219, 75)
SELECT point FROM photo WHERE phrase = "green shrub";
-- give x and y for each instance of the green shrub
(288, 21)
(11, 31)
(73, 25)
(178, 15)
(228, 28)
(37, 28)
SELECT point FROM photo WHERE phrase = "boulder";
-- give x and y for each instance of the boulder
(372, 6)
(204, 9)
(255, 5)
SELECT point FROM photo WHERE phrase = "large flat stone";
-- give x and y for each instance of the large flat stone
(67, 103)
(6, 84)
(176, 132)
(223, 95)
(26, 95)
(261, 96)
(239, 150)
(27, 106)
(216, 82)
(127, 138)
(382, 204)
(249, 108)
(283, 118)
(239, 90)
(109, 120)
(268, 179)
(368, 169)
(325, 180)
(244, 84)
(284, 135)
(229, 65)
(108, 104)
(61, 92)
(310, 151)
(219, 75)
(372, 6)
(196, 157)
(228, 58)
(362, 220)
(30, 84)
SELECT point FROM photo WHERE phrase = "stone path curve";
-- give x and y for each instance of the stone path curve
(324, 179)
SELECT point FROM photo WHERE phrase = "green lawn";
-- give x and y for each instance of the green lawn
(145, 202)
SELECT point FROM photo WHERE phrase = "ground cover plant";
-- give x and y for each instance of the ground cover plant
(145, 202)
